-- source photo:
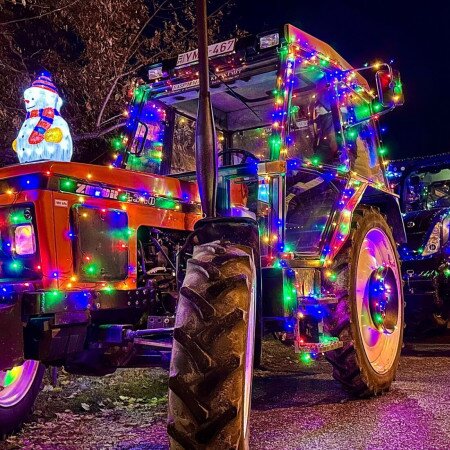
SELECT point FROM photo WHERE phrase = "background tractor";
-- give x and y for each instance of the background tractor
(424, 188)
(289, 229)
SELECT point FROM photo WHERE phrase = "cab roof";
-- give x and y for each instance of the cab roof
(249, 49)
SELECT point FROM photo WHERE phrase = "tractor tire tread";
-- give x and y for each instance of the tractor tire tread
(208, 359)
(348, 366)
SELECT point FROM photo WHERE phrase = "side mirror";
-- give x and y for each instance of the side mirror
(389, 86)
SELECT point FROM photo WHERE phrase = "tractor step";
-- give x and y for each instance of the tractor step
(310, 301)
(318, 347)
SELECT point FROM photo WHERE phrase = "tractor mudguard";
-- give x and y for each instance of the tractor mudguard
(389, 206)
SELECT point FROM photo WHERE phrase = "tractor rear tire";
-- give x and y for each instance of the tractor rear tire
(367, 363)
(19, 389)
(212, 357)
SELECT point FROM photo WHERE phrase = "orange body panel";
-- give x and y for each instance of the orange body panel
(52, 208)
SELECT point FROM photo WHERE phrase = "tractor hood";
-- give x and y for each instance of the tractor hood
(29, 176)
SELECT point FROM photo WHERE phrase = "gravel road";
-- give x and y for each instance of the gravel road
(293, 408)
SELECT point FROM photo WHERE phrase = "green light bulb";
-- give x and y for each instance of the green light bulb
(398, 88)
(315, 160)
(333, 277)
(116, 143)
(91, 269)
(378, 318)
(352, 134)
(305, 358)
(16, 266)
(67, 185)
(377, 107)
(344, 228)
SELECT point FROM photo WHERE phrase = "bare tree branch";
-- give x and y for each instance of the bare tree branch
(147, 61)
(107, 99)
(155, 12)
(98, 133)
(40, 15)
(94, 49)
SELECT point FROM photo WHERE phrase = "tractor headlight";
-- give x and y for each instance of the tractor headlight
(445, 229)
(24, 240)
(433, 244)
(269, 40)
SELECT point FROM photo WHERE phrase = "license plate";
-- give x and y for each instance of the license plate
(221, 48)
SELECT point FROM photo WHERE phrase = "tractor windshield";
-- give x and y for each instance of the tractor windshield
(242, 114)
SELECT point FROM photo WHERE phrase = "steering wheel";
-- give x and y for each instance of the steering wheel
(245, 154)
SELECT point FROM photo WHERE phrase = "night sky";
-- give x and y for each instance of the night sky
(416, 38)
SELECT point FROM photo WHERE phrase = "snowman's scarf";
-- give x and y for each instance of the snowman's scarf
(46, 116)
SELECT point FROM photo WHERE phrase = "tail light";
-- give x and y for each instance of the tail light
(24, 240)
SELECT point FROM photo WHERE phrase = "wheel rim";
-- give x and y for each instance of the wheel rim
(15, 383)
(378, 300)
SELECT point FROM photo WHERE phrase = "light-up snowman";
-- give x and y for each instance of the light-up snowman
(44, 133)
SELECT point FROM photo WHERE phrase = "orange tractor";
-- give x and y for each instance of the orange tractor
(107, 267)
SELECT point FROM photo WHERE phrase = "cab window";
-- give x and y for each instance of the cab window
(183, 144)
(255, 140)
(313, 122)
(147, 149)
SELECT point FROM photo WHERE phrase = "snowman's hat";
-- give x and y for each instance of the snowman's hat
(44, 81)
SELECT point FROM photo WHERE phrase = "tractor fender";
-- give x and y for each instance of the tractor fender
(389, 206)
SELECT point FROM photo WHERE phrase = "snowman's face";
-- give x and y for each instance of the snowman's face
(38, 98)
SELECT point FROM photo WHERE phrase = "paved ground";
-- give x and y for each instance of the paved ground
(293, 408)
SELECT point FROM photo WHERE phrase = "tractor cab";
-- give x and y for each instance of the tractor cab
(271, 100)
(293, 120)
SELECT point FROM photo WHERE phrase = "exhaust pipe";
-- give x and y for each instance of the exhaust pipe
(205, 132)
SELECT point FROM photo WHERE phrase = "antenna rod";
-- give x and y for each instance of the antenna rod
(205, 132)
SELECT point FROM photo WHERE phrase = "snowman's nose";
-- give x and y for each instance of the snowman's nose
(27, 101)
